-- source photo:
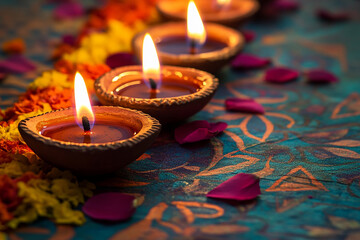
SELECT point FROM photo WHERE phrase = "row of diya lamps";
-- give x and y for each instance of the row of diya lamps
(101, 139)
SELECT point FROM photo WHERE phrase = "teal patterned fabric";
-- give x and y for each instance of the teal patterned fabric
(305, 149)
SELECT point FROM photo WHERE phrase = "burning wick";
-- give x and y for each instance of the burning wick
(153, 86)
(192, 47)
(86, 124)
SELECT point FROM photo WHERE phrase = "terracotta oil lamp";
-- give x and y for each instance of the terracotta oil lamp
(168, 93)
(232, 13)
(192, 44)
(89, 140)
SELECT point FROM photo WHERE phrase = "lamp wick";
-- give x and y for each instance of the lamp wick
(153, 84)
(192, 47)
(86, 124)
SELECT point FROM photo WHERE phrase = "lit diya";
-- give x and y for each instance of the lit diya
(192, 44)
(93, 140)
(226, 12)
(168, 93)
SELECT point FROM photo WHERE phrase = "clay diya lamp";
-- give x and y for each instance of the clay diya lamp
(232, 13)
(207, 47)
(91, 141)
(168, 93)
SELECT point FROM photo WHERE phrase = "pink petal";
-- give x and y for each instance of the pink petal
(16, 64)
(120, 59)
(198, 130)
(68, 10)
(286, 5)
(69, 39)
(240, 187)
(326, 15)
(321, 76)
(249, 61)
(244, 105)
(112, 206)
(280, 75)
(249, 36)
(217, 127)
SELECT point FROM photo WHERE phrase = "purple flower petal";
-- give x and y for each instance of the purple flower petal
(328, 16)
(286, 5)
(217, 127)
(16, 64)
(69, 39)
(244, 105)
(198, 130)
(281, 75)
(249, 36)
(240, 187)
(244, 61)
(68, 10)
(110, 206)
(120, 59)
(321, 76)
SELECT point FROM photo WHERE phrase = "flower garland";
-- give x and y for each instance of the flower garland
(29, 187)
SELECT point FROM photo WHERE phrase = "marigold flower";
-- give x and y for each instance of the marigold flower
(15, 45)
(63, 214)
(9, 198)
(68, 191)
(51, 78)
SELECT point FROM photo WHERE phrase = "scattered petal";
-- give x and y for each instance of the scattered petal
(111, 206)
(243, 105)
(281, 75)
(328, 16)
(120, 59)
(198, 130)
(321, 76)
(16, 46)
(249, 35)
(240, 187)
(68, 10)
(286, 5)
(244, 61)
(16, 64)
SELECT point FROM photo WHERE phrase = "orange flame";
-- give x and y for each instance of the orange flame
(195, 27)
(150, 61)
(223, 3)
(82, 102)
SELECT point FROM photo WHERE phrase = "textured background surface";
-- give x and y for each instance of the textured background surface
(306, 148)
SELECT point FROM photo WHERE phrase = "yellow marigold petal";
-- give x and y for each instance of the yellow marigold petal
(42, 201)
(40, 184)
(23, 214)
(66, 190)
(15, 168)
(63, 214)
(87, 188)
(11, 132)
(51, 78)
(94, 40)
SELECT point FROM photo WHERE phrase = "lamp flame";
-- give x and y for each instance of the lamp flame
(223, 3)
(150, 63)
(195, 27)
(82, 102)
